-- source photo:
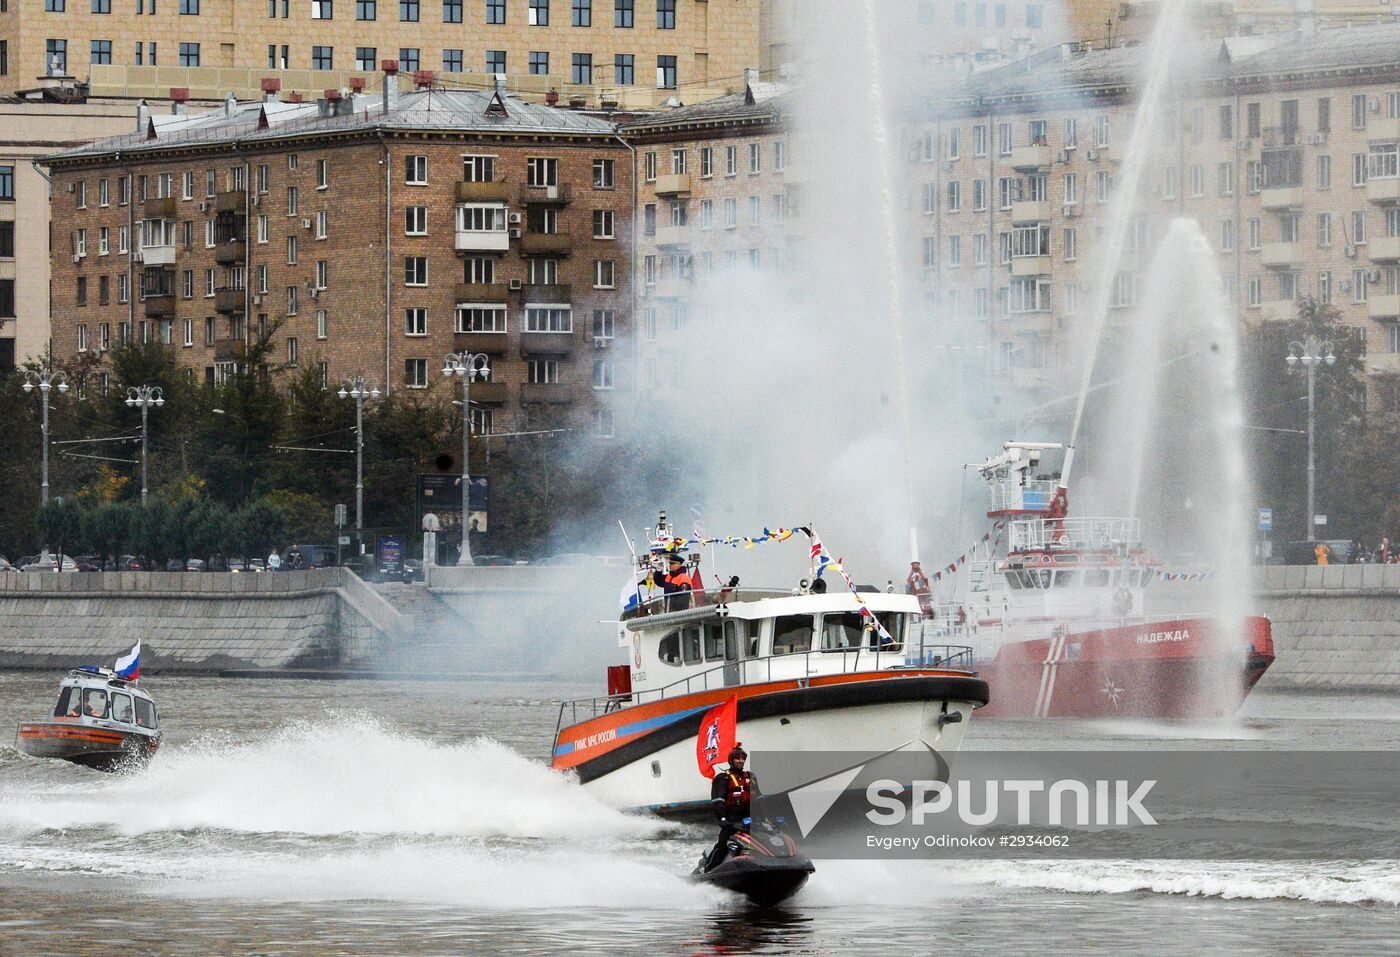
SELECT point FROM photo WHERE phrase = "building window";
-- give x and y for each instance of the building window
(408, 11)
(539, 13)
(495, 61)
(415, 373)
(755, 158)
(415, 270)
(322, 274)
(1358, 111)
(541, 171)
(189, 54)
(602, 374)
(291, 300)
(539, 62)
(665, 72)
(291, 250)
(707, 162)
(622, 14)
(731, 161)
(542, 371)
(322, 10)
(481, 319)
(665, 14)
(367, 59)
(415, 322)
(495, 11)
(409, 59)
(582, 71)
(416, 220)
(603, 323)
(603, 224)
(416, 170)
(102, 51)
(451, 11)
(322, 58)
(366, 9)
(604, 271)
(56, 54)
(582, 13)
(603, 174)
(322, 324)
(624, 73)
(549, 319)
(452, 61)
(188, 8)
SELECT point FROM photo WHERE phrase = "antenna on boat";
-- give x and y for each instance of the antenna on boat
(628, 539)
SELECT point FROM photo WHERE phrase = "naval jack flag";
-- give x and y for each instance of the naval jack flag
(716, 738)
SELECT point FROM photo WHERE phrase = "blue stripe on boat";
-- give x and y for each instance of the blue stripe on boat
(650, 724)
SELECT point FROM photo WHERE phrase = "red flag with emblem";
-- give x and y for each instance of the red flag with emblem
(717, 734)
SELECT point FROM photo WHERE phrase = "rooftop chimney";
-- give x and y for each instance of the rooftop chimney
(552, 97)
(391, 85)
(422, 79)
(294, 98)
(357, 84)
(230, 104)
(179, 96)
(271, 86)
(143, 117)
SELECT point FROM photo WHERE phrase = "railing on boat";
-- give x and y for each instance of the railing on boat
(1052, 533)
(715, 596)
(1012, 495)
(732, 674)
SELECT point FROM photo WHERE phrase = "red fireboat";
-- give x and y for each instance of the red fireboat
(1057, 623)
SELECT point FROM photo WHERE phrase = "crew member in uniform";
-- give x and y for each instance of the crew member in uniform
(677, 584)
(730, 793)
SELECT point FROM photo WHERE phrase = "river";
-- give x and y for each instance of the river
(356, 817)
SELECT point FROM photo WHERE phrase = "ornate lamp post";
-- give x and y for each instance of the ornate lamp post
(1311, 352)
(359, 388)
(143, 397)
(45, 381)
(468, 366)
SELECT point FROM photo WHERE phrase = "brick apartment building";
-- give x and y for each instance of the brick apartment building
(359, 235)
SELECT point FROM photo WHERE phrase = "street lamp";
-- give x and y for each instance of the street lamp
(467, 365)
(46, 381)
(359, 388)
(143, 397)
(1311, 352)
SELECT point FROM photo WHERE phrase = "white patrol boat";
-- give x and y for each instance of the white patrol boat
(812, 669)
(101, 720)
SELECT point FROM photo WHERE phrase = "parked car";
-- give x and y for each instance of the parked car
(257, 565)
(365, 567)
(312, 556)
(5, 566)
(129, 563)
(33, 564)
(412, 570)
(494, 560)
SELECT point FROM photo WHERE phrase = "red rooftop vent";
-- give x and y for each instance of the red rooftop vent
(357, 83)
(422, 78)
(332, 95)
(390, 67)
(271, 84)
(294, 98)
(552, 97)
(180, 94)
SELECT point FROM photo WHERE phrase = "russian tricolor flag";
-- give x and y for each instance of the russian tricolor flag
(129, 665)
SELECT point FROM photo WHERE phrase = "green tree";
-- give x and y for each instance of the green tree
(105, 529)
(258, 528)
(60, 525)
(151, 528)
(211, 530)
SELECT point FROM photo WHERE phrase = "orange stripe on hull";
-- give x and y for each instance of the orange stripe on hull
(71, 734)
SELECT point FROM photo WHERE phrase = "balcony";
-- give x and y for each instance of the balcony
(546, 244)
(1386, 249)
(493, 392)
(232, 201)
(1031, 211)
(544, 196)
(160, 307)
(1383, 363)
(483, 240)
(230, 350)
(1030, 266)
(673, 287)
(231, 253)
(492, 192)
(229, 300)
(1381, 129)
(1280, 255)
(557, 293)
(163, 208)
(1032, 157)
(675, 184)
(1104, 154)
(491, 343)
(673, 236)
(553, 393)
(1384, 190)
(547, 343)
(158, 255)
(1383, 307)
(481, 291)
(1278, 310)
(1281, 197)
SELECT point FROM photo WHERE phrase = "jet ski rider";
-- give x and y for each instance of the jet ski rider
(730, 793)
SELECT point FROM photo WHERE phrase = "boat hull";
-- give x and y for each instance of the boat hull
(643, 757)
(102, 749)
(1177, 669)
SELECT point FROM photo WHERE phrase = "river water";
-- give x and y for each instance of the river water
(344, 817)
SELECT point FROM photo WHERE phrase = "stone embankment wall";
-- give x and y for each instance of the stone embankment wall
(194, 621)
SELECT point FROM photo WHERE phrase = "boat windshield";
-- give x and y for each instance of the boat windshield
(68, 703)
(145, 713)
(121, 707)
(847, 632)
(792, 634)
(94, 703)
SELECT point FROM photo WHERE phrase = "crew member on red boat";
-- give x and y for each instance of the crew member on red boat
(677, 585)
(917, 582)
(731, 793)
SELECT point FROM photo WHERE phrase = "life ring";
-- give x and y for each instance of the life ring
(1122, 602)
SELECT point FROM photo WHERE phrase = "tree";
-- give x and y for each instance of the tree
(60, 524)
(258, 528)
(151, 526)
(211, 530)
(105, 529)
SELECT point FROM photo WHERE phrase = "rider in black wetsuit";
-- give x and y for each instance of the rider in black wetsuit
(730, 793)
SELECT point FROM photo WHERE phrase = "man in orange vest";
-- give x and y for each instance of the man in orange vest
(677, 584)
(1320, 553)
(730, 793)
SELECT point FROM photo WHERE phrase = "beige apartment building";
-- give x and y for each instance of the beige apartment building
(592, 47)
(1285, 151)
(352, 236)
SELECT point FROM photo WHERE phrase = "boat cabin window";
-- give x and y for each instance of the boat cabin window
(68, 702)
(714, 641)
(1064, 578)
(792, 634)
(669, 649)
(145, 713)
(121, 708)
(842, 632)
(690, 645)
(734, 640)
(1095, 577)
(894, 624)
(94, 703)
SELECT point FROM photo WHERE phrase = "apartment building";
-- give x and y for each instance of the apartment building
(1284, 150)
(713, 196)
(676, 46)
(359, 235)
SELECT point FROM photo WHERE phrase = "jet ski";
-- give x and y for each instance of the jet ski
(762, 863)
